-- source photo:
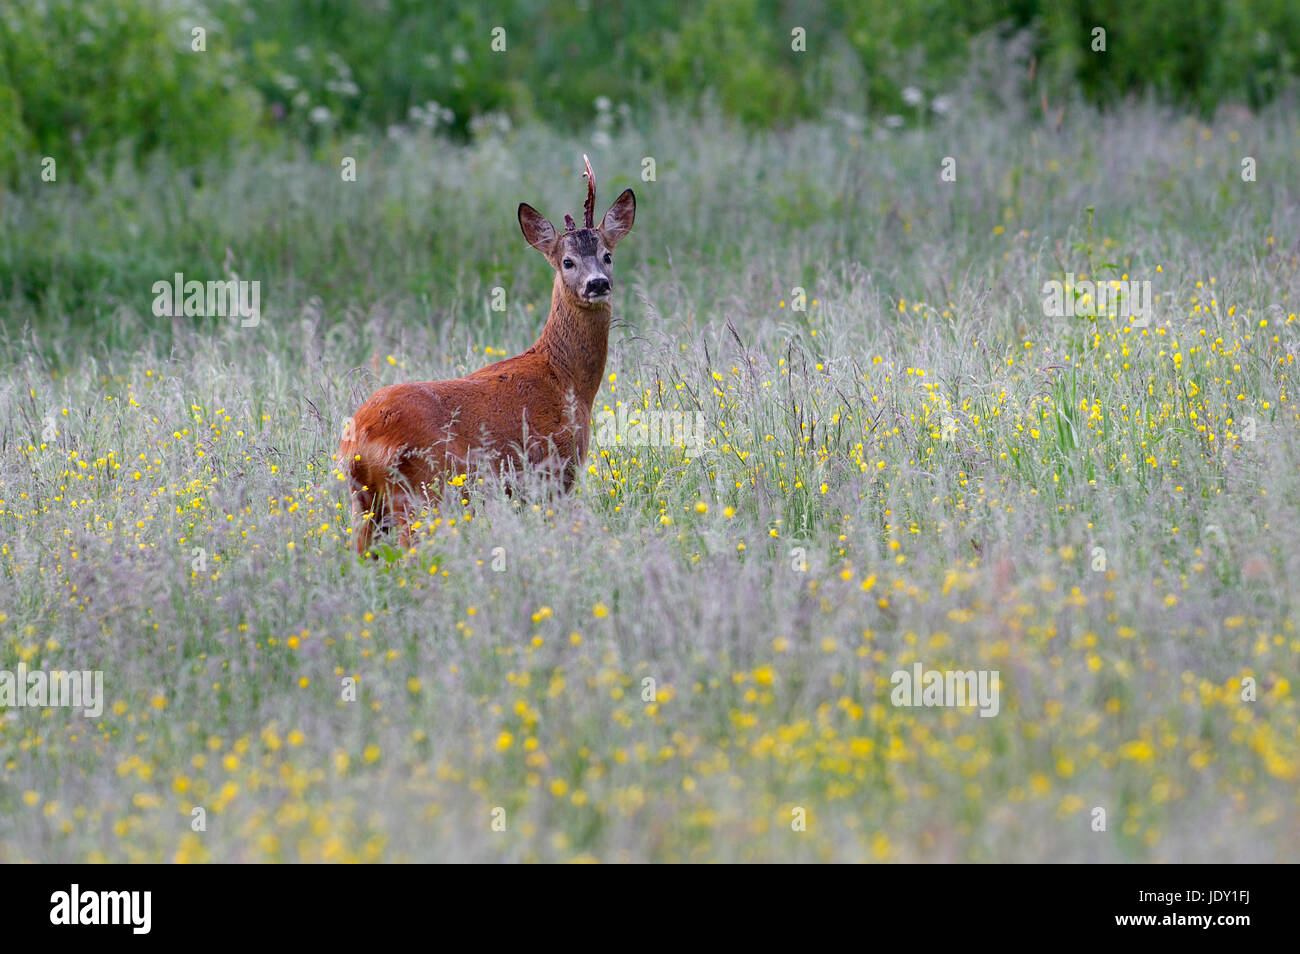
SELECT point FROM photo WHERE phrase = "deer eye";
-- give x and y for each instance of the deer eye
(608, 258)
(568, 263)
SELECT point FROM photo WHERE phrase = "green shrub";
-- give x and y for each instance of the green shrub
(83, 80)
(14, 138)
(86, 80)
(1199, 52)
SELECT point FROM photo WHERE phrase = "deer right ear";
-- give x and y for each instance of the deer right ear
(618, 220)
(537, 230)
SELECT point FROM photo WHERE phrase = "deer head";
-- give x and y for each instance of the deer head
(583, 258)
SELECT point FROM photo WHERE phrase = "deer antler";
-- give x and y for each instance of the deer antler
(589, 209)
(568, 223)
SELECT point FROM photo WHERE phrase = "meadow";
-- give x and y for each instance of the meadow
(690, 657)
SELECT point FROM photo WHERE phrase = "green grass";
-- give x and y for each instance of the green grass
(1097, 528)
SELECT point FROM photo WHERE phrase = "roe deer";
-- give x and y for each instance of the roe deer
(533, 410)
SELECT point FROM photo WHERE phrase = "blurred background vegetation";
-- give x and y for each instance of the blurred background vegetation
(94, 83)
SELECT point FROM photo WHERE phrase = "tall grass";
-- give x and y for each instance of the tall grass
(919, 467)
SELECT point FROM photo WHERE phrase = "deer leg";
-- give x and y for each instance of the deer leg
(367, 512)
(403, 511)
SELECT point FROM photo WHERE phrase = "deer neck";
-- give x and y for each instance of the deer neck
(575, 342)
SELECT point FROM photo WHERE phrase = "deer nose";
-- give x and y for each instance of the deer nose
(597, 286)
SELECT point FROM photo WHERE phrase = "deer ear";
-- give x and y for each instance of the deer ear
(537, 230)
(618, 220)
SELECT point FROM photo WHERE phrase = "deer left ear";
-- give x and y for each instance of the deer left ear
(536, 228)
(618, 220)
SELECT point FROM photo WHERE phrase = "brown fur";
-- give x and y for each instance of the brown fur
(533, 409)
